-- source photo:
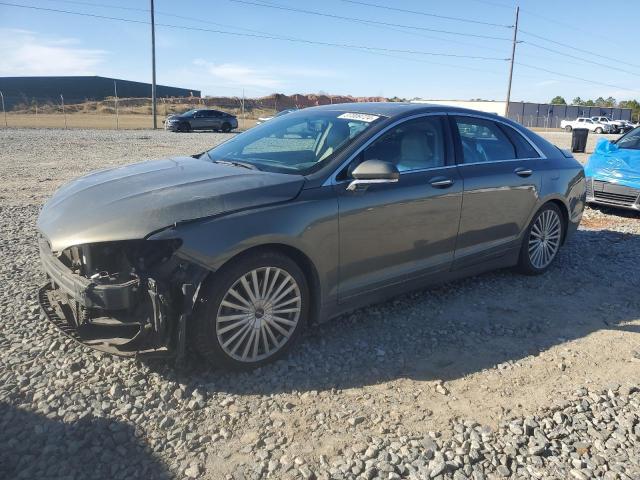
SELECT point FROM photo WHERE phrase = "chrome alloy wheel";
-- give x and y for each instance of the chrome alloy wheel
(544, 239)
(258, 314)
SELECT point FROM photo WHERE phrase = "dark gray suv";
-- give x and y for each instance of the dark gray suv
(214, 120)
(297, 220)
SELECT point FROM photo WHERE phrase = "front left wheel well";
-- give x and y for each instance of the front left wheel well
(299, 257)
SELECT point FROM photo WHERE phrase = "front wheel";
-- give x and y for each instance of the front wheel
(568, 128)
(226, 127)
(598, 130)
(252, 311)
(542, 240)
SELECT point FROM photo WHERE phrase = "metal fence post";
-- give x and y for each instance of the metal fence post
(243, 119)
(115, 91)
(63, 112)
(4, 112)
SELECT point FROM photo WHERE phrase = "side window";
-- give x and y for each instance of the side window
(523, 148)
(483, 141)
(412, 145)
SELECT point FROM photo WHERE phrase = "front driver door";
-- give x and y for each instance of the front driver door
(394, 232)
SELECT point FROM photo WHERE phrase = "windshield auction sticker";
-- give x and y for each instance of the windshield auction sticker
(363, 117)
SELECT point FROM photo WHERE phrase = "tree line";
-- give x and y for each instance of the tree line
(600, 102)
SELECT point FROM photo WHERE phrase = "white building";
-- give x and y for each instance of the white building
(488, 106)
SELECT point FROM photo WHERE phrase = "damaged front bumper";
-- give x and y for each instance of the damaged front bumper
(130, 315)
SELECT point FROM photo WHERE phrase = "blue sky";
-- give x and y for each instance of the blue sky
(34, 42)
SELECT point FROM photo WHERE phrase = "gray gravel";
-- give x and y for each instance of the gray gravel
(498, 376)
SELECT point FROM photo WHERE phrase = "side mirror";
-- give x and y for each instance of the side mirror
(372, 172)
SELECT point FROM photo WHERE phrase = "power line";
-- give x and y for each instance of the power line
(562, 44)
(416, 12)
(255, 35)
(199, 20)
(359, 20)
(557, 52)
(574, 77)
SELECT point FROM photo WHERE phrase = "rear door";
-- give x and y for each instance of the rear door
(502, 174)
(215, 120)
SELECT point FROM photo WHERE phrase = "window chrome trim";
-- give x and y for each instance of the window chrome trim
(331, 179)
(498, 161)
(500, 120)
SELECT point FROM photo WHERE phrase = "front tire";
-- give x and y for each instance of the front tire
(252, 311)
(226, 127)
(598, 130)
(542, 240)
(568, 128)
(185, 127)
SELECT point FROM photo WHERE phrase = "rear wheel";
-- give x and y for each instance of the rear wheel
(598, 130)
(252, 311)
(568, 128)
(542, 240)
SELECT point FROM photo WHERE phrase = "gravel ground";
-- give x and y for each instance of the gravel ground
(497, 376)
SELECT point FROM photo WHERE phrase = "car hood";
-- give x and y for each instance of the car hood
(618, 165)
(131, 202)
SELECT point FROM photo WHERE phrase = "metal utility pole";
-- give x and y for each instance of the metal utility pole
(4, 112)
(153, 69)
(513, 55)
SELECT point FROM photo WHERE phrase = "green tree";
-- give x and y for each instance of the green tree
(589, 103)
(610, 102)
(601, 102)
(577, 101)
(634, 105)
(558, 100)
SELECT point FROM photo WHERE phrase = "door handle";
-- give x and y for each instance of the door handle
(523, 172)
(441, 182)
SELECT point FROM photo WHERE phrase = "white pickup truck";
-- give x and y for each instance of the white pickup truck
(615, 125)
(583, 122)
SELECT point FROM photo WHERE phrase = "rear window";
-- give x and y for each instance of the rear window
(483, 141)
(524, 149)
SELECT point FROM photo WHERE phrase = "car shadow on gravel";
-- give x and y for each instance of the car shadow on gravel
(34, 446)
(454, 330)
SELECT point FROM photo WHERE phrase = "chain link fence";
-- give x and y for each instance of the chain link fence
(67, 111)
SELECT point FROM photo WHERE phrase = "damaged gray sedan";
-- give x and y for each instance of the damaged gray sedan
(235, 250)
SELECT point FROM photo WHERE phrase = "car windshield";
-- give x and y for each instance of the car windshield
(189, 113)
(630, 141)
(295, 143)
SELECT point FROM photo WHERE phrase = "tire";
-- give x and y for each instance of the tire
(223, 333)
(598, 130)
(226, 127)
(550, 222)
(568, 128)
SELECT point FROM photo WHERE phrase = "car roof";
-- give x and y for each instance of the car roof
(392, 109)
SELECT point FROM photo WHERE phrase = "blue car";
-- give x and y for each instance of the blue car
(613, 172)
